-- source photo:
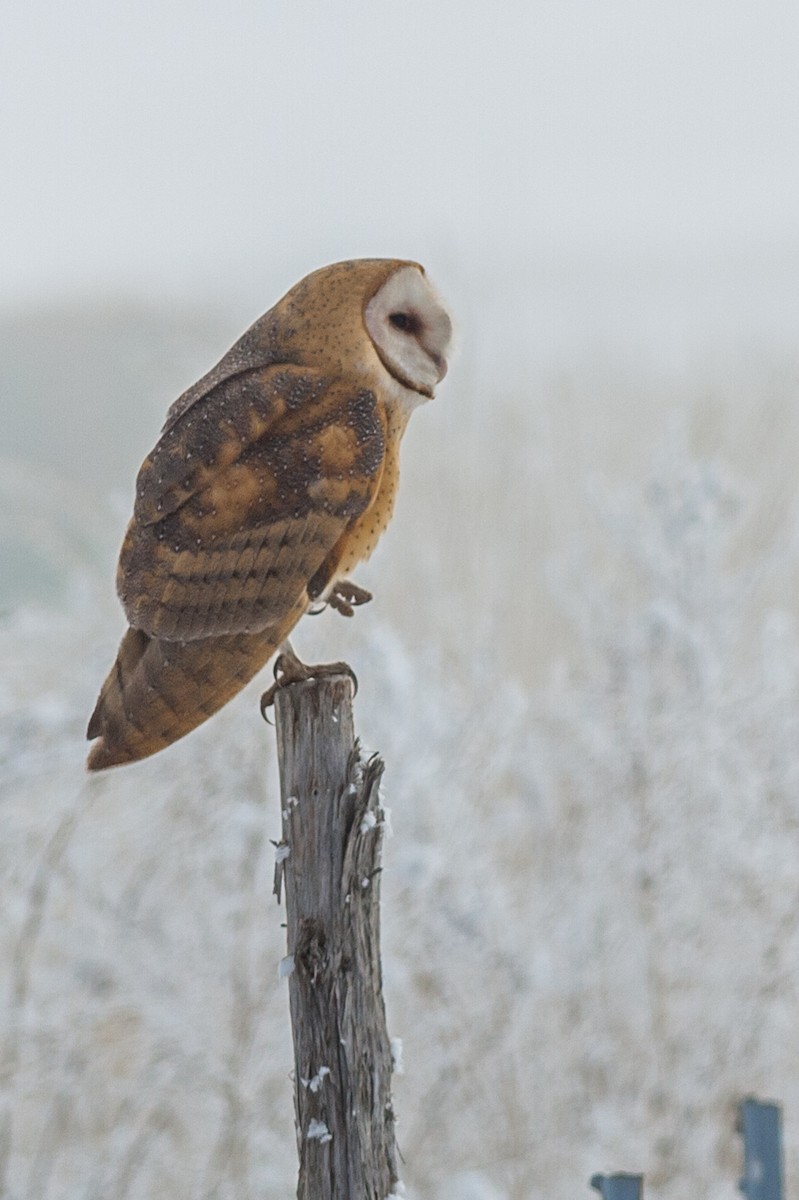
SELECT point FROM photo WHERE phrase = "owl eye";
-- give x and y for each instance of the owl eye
(403, 321)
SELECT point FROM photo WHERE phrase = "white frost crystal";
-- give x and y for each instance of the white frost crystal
(315, 1082)
(397, 1064)
(318, 1130)
(291, 802)
(369, 821)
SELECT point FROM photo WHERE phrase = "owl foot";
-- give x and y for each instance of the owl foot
(289, 669)
(345, 596)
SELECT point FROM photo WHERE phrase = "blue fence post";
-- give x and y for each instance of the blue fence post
(761, 1126)
(619, 1187)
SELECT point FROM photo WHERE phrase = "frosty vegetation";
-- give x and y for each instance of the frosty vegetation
(590, 902)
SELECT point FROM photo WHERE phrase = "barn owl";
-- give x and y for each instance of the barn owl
(273, 477)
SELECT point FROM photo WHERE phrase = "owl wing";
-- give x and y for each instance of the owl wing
(244, 506)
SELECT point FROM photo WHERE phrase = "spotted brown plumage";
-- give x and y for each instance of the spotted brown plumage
(273, 476)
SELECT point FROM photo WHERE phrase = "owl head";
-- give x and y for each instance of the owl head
(367, 313)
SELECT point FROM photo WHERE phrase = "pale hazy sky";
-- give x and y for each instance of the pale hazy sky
(163, 146)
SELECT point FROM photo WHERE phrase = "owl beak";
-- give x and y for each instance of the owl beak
(440, 364)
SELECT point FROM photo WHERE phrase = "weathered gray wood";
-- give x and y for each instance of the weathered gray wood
(329, 862)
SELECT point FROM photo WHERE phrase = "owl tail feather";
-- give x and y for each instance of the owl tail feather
(157, 691)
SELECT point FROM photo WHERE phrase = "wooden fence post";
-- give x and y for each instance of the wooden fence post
(760, 1122)
(619, 1186)
(329, 862)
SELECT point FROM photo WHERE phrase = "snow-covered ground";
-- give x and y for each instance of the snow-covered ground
(582, 670)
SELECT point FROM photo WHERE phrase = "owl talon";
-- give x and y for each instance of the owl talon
(341, 606)
(345, 596)
(289, 669)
